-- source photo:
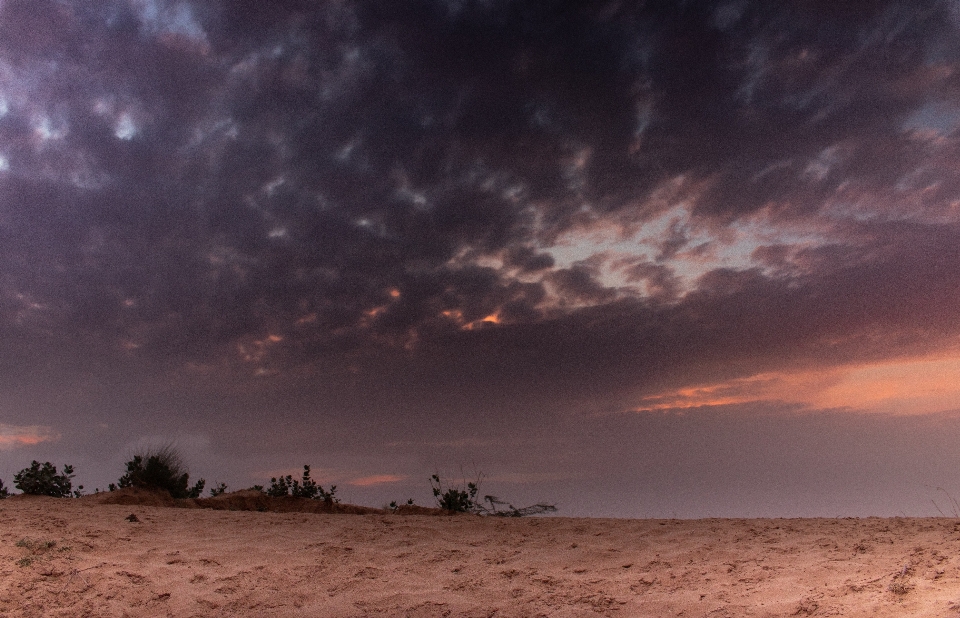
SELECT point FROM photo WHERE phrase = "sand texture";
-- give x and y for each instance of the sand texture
(84, 558)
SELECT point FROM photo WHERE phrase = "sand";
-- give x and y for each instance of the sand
(63, 557)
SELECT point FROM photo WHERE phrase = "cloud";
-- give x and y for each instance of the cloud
(899, 387)
(12, 436)
(377, 479)
(363, 192)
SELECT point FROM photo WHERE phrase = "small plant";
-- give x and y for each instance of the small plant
(394, 506)
(898, 587)
(3, 491)
(160, 469)
(43, 480)
(306, 487)
(460, 500)
(455, 499)
(898, 584)
(280, 487)
(953, 505)
(35, 546)
(218, 490)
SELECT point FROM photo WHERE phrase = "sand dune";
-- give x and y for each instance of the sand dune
(86, 558)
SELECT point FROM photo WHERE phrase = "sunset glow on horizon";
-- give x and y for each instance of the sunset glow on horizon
(908, 387)
(12, 436)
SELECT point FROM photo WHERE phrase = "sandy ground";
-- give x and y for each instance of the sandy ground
(82, 558)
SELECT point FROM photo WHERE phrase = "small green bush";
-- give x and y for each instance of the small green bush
(161, 469)
(218, 490)
(304, 488)
(43, 480)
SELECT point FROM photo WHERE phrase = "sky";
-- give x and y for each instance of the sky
(638, 259)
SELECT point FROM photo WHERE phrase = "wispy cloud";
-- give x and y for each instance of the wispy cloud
(377, 479)
(12, 436)
(903, 387)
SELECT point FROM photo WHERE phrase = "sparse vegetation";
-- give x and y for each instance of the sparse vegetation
(43, 480)
(464, 500)
(304, 488)
(494, 506)
(37, 549)
(35, 546)
(899, 585)
(163, 468)
(160, 469)
(953, 507)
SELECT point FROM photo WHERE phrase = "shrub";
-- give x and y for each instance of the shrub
(218, 490)
(43, 480)
(460, 500)
(3, 491)
(280, 487)
(304, 488)
(453, 498)
(161, 469)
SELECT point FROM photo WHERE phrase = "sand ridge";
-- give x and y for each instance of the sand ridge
(83, 558)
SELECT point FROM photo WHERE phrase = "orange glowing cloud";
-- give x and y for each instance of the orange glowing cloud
(762, 387)
(457, 316)
(377, 479)
(12, 436)
(453, 314)
(308, 319)
(916, 386)
(907, 387)
(373, 313)
(491, 319)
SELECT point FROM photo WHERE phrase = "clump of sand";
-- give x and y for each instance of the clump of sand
(240, 557)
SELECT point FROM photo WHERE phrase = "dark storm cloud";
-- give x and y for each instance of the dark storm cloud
(894, 297)
(339, 183)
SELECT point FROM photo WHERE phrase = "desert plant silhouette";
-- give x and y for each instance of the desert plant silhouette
(161, 468)
(306, 487)
(43, 480)
(454, 498)
(464, 500)
(3, 491)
